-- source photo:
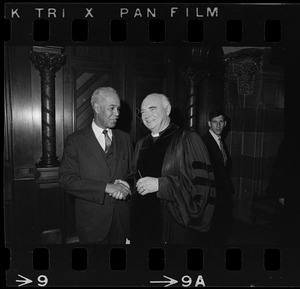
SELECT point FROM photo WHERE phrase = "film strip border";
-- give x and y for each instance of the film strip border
(119, 266)
(80, 30)
(142, 24)
(156, 259)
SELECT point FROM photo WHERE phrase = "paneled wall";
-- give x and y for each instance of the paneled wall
(254, 102)
(7, 154)
(23, 144)
(133, 72)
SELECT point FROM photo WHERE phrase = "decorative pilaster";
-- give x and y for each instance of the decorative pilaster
(194, 73)
(48, 60)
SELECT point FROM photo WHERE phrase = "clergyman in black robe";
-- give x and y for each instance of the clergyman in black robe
(174, 199)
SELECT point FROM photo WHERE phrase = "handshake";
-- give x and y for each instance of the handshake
(118, 190)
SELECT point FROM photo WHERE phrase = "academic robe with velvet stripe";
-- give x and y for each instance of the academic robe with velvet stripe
(84, 173)
(183, 206)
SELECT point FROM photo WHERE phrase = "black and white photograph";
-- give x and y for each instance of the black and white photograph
(151, 145)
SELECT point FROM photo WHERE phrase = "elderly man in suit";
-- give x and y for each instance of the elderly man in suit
(94, 168)
(221, 163)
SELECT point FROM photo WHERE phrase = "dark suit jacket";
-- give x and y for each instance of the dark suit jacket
(84, 173)
(222, 173)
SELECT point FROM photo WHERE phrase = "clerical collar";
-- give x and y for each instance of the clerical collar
(156, 135)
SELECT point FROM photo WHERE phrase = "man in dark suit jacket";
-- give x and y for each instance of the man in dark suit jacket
(221, 163)
(94, 168)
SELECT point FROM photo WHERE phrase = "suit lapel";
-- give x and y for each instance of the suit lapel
(97, 150)
(117, 149)
(216, 146)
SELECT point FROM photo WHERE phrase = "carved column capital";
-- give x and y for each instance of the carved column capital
(245, 72)
(194, 75)
(243, 69)
(48, 60)
(246, 68)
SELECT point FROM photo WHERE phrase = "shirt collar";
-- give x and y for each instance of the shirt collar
(216, 137)
(99, 130)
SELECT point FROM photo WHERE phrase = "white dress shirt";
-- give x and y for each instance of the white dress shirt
(216, 137)
(98, 131)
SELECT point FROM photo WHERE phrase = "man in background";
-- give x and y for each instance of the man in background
(221, 163)
(94, 168)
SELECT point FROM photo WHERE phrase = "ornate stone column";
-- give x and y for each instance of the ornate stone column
(194, 73)
(192, 77)
(49, 224)
(48, 60)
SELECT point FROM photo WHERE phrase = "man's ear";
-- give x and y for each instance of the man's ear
(225, 122)
(96, 107)
(168, 109)
(209, 123)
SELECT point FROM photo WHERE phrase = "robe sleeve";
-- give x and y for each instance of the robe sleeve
(133, 175)
(187, 185)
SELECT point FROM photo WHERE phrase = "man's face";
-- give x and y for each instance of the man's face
(217, 124)
(154, 114)
(108, 110)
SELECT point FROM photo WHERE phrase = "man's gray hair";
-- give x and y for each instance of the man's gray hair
(99, 93)
(165, 100)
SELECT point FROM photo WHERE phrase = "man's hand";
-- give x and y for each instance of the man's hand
(118, 190)
(122, 182)
(125, 192)
(147, 185)
(281, 201)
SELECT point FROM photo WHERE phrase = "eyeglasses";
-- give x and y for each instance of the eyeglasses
(138, 114)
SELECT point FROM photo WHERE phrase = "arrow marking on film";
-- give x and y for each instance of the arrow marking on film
(23, 282)
(169, 282)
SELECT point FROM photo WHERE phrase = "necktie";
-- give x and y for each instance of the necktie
(223, 151)
(107, 140)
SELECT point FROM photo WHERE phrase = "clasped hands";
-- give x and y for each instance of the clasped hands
(147, 185)
(118, 190)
